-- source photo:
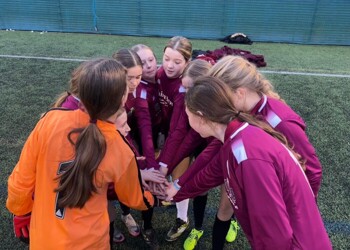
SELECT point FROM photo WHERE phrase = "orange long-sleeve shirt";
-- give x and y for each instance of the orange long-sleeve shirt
(44, 154)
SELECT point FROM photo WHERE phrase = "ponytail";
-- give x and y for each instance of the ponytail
(90, 149)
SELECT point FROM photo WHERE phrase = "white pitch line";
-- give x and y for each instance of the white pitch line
(45, 58)
(262, 71)
(303, 73)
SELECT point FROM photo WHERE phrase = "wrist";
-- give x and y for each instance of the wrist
(176, 185)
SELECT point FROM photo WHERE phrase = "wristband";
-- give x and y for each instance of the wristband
(176, 185)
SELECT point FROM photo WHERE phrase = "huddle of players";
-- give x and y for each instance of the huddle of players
(242, 136)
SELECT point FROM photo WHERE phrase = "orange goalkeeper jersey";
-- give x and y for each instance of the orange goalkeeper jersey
(46, 152)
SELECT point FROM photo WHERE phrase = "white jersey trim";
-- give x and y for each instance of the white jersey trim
(239, 130)
(263, 104)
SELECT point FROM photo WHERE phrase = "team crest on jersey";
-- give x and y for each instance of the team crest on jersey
(164, 100)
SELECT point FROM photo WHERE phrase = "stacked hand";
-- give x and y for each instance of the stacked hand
(150, 176)
(21, 226)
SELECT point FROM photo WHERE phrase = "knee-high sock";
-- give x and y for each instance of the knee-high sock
(111, 233)
(220, 229)
(147, 218)
(199, 204)
(182, 209)
(125, 209)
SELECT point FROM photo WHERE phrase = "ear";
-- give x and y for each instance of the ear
(240, 92)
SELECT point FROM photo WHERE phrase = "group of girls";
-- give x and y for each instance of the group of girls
(242, 135)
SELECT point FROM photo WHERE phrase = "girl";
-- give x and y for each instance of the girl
(193, 140)
(148, 175)
(222, 226)
(263, 179)
(147, 109)
(140, 122)
(68, 161)
(70, 100)
(254, 94)
(133, 65)
(177, 54)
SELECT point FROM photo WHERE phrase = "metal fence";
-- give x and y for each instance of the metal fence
(290, 21)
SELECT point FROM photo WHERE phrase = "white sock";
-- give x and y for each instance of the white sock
(182, 209)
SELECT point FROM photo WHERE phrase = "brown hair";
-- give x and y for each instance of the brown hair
(182, 45)
(128, 58)
(196, 68)
(73, 89)
(101, 86)
(213, 98)
(237, 72)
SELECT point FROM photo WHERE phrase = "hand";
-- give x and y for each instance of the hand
(152, 175)
(158, 189)
(21, 226)
(171, 191)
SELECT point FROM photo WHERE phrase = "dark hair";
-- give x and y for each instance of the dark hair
(212, 98)
(101, 86)
(128, 58)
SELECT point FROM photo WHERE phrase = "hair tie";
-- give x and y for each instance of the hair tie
(93, 121)
(238, 113)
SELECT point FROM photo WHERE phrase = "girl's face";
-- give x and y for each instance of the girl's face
(133, 77)
(149, 64)
(121, 124)
(173, 63)
(187, 82)
(199, 124)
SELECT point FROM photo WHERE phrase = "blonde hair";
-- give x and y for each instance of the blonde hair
(182, 45)
(196, 68)
(237, 72)
(141, 46)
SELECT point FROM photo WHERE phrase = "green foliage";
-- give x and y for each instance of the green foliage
(29, 87)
